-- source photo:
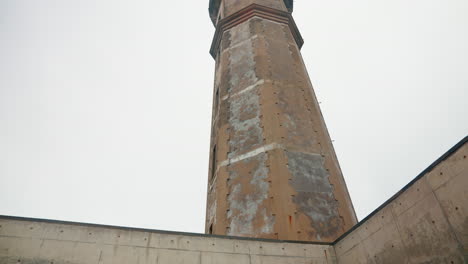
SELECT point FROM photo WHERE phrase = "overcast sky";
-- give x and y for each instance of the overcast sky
(105, 106)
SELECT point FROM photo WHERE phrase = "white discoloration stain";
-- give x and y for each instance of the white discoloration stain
(212, 212)
(240, 33)
(251, 154)
(236, 190)
(259, 176)
(240, 43)
(242, 77)
(244, 209)
(269, 221)
(247, 89)
(315, 195)
(242, 64)
(246, 132)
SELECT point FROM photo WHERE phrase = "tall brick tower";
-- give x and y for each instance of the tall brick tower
(273, 170)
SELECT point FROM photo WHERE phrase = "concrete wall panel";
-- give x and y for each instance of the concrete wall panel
(178, 257)
(387, 244)
(426, 233)
(215, 258)
(425, 223)
(453, 197)
(357, 254)
(42, 242)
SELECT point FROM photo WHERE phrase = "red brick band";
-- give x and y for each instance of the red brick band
(247, 13)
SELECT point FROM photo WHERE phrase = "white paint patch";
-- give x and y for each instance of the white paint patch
(212, 212)
(248, 88)
(244, 208)
(240, 43)
(250, 154)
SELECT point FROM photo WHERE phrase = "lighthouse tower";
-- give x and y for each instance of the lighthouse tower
(273, 170)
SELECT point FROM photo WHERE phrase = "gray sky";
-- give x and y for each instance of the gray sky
(105, 106)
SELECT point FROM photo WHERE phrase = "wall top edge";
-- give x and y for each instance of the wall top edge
(163, 232)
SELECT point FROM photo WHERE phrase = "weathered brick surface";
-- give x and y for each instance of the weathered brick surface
(275, 167)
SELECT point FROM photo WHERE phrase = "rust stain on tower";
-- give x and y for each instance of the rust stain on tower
(273, 169)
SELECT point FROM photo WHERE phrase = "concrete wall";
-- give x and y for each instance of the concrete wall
(425, 223)
(43, 242)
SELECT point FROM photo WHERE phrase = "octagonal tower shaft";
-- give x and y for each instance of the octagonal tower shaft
(273, 170)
